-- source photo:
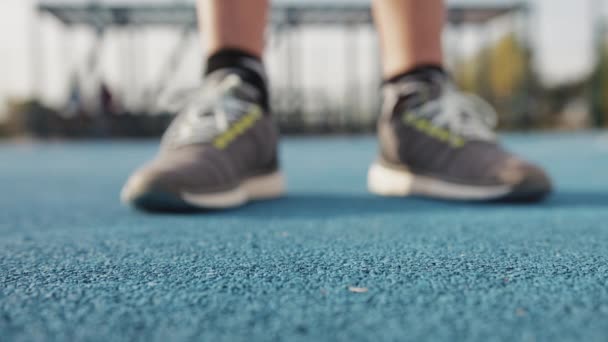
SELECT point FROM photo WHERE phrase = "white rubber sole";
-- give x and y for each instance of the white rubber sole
(385, 181)
(256, 188)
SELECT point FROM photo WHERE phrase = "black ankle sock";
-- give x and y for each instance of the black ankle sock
(419, 72)
(249, 67)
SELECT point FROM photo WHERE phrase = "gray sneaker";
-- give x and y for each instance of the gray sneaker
(219, 152)
(438, 142)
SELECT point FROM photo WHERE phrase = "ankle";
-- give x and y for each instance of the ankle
(419, 71)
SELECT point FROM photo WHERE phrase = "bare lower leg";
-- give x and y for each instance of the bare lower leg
(234, 24)
(410, 33)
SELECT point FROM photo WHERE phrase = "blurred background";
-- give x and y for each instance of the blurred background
(120, 68)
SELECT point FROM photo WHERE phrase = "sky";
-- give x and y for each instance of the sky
(562, 34)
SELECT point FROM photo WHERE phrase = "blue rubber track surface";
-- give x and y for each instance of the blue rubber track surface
(328, 263)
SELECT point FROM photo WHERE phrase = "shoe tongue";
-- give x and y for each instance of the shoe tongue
(423, 86)
(417, 88)
(232, 81)
(219, 76)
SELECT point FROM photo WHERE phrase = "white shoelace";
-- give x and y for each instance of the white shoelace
(207, 114)
(465, 114)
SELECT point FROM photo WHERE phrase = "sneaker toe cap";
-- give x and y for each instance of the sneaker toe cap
(169, 177)
(145, 181)
(529, 182)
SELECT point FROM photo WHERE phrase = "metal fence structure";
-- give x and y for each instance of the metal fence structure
(349, 105)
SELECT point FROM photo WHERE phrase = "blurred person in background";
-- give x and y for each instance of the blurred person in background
(435, 141)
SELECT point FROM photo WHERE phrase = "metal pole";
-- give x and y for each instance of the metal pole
(351, 89)
(598, 86)
(289, 89)
(133, 68)
(377, 82)
(37, 74)
(522, 94)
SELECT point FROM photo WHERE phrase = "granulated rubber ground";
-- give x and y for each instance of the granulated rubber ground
(328, 263)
